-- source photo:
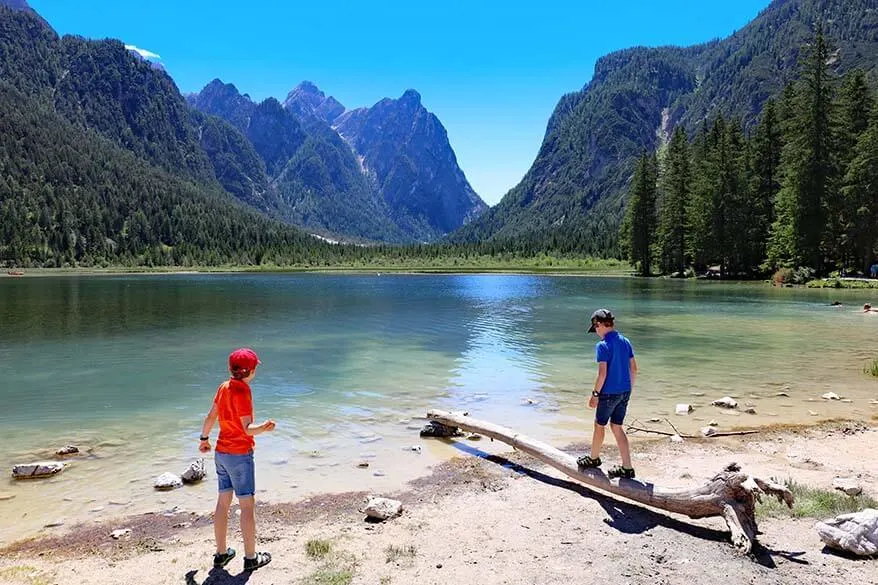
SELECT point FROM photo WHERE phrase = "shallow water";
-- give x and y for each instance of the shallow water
(127, 366)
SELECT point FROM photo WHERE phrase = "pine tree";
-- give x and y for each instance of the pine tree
(766, 146)
(638, 228)
(808, 169)
(861, 192)
(675, 189)
(855, 104)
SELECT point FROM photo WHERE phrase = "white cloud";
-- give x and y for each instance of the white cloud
(143, 52)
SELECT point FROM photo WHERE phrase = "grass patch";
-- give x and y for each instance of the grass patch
(395, 553)
(872, 368)
(23, 574)
(317, 548)
(814, 503)
(329, 576)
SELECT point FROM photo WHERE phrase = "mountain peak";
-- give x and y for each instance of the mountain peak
(411, 96)
(15, 4)
(307, 102)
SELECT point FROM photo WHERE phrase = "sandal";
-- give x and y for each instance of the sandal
(586, 462)
(260, 560)
(621, 472)
(221, 560)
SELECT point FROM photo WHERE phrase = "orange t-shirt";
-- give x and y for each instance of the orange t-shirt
(233, 400)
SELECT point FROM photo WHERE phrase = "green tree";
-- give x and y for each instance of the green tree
(860, 191)
(808, 169)
(675, 189)
(638, 228)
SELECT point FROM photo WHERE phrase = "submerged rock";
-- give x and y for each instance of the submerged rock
(167, 481)
(683, 409)
(382, 508)
(67, 450)
(726, 402)
(37, 470)
(854, 533)
(831, 396)
(437, 429)
(195, 472)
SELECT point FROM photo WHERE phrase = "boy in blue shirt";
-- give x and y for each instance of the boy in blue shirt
(617, 370)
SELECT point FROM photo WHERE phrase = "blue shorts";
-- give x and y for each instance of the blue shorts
(612, 408)
(236, 472)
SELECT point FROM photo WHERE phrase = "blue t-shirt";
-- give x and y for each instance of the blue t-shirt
(616, 350)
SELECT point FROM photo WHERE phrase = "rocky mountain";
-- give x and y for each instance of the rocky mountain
(573, 197)
(383, 173)
(405, 149)
(103, 163)
(308, 103)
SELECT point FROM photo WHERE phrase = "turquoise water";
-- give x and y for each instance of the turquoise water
(128, 365)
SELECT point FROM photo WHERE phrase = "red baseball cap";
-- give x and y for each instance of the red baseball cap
(243, 359)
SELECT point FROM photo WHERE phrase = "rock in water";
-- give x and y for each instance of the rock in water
(167, 481)
(437, 429)
(726, 402)
(831, 396)
(854, 533)
(708, 431)
(37, 470)
(847, 485)
(67, 450)
(382, 508)
(683, 408)
(194, 473)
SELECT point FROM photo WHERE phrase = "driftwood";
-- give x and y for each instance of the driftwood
(731, 494)
(633, 428)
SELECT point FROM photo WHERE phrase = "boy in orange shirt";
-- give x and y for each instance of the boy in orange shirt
(233, 407)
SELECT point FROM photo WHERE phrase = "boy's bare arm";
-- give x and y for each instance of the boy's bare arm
(633, 366)
(209, 420)
(598, 384)
(253, 429)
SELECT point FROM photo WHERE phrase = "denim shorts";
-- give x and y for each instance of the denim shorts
(612, 408)
(236, 472)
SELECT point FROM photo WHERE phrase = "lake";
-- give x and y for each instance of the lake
(127, 366)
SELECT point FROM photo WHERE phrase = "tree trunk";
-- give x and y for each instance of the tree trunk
(732, 494)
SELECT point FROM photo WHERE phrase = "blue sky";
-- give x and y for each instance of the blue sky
(492, 71)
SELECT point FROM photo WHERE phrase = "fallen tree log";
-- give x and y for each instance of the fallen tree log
(731, 494)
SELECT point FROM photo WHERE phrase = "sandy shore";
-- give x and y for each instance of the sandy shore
(506, 519)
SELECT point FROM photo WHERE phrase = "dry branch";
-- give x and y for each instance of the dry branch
(731, 494)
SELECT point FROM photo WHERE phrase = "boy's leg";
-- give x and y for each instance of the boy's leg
(221, 521)
(622, 442)
(248, 525)
(597, 439)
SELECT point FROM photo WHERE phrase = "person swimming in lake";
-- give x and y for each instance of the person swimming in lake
(867, 308)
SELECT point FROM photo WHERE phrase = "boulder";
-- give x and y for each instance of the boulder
(67, 450)
(849, 486)
(855, 533)
(194, 473)
(382, 508)
(167, 481)
(831, 396)
(726, 402)
(683, 408)
(37, 470)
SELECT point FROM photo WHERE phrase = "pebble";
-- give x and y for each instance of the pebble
(378, 473)
(676, 439)
(784, 394)
(713, 423)
(362, 464)
(97, 509)
(415, 448)
(750, 410)
(831, 396)
(812, 413)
